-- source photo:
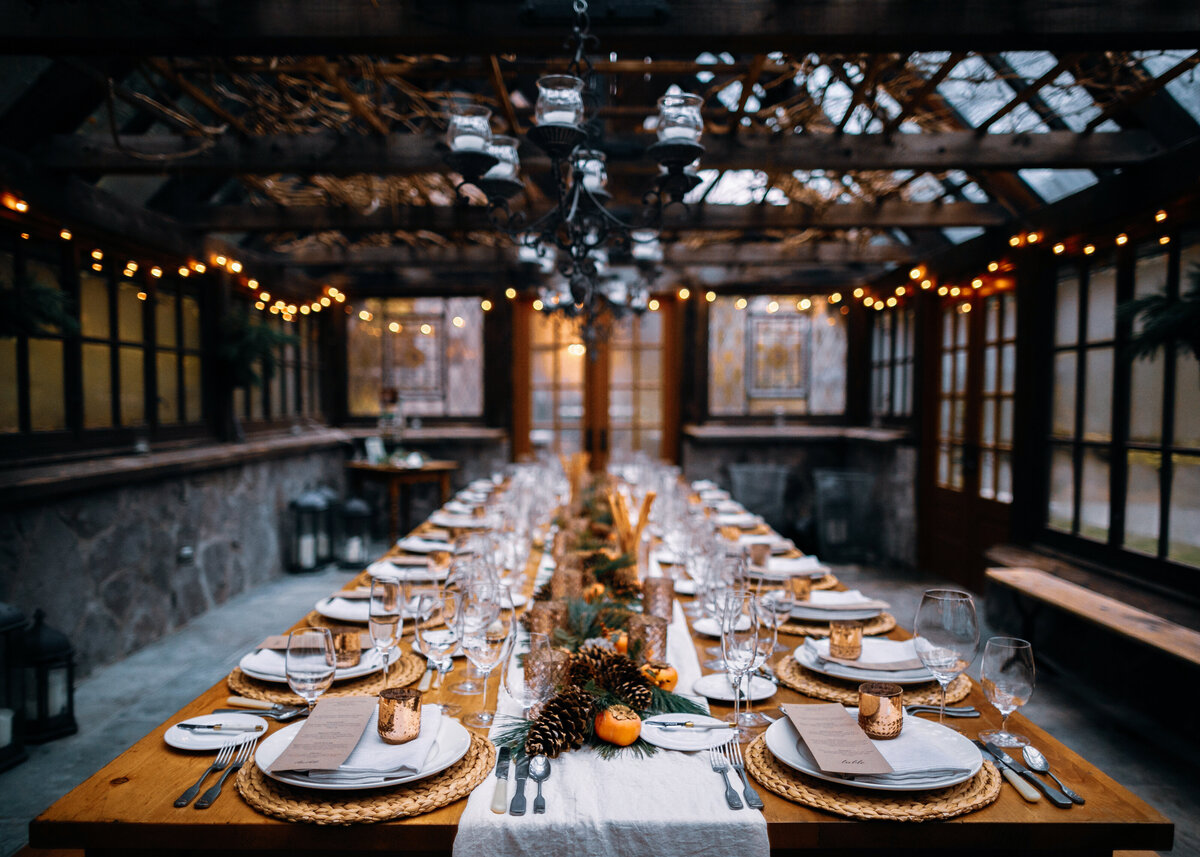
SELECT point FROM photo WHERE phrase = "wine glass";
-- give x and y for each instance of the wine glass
(946, 636)
(486, 647)
(739, 648)
(310, 663)
(764, 650)
(774, 607)
(439, 635)
(480, 606)
(527, 694)
(1007, 676)
(383, 618)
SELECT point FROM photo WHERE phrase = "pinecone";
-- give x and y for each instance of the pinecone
(615, 672)
(562, 724)
(542, 593)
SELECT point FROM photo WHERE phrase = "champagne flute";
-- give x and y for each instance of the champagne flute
(383, 618)
(486, 647)
(310, 663)
(739, 648)
(946, 636)
(1007, 675)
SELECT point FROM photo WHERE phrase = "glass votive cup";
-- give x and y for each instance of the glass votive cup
(399, 715)
(545, 616)
(591, 164)
(560, 100)
(679, 117)
(347, 646)
(658, 597)
(546, 669)
(470, 128)
(880, 709)
(801, 586)
(845, 639)
(504, 148)
(647, 638)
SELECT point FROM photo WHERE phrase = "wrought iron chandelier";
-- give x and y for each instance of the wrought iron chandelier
(575, 235)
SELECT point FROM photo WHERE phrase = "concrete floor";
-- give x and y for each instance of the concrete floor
(1157, 763)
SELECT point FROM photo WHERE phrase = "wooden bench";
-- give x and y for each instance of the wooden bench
(1117, 616)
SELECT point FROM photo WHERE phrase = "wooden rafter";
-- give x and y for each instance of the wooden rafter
(1142, 93)
(200, 96)
(1027, 93)
(909, 106)
(506, 105)
(355, 101)
(748, 83)
(860, 90)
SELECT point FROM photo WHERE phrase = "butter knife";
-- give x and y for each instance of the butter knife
(219, 727)
(1004, 764)
(517, 807)
(1052, 794)
(500, 795)
(687, 724)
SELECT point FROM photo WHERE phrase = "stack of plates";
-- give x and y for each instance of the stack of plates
(267, 665)
(819, 604)
(874, 650)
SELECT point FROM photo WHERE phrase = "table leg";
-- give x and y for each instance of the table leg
(393, 511)
(445, 480)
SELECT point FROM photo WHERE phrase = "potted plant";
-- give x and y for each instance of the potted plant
(29, 308)
(247, 356)
(1165, 321)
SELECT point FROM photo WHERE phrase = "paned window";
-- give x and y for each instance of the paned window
(893, 345)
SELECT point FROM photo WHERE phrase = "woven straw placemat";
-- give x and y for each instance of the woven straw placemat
(819, 686)
(400, 674)
(316, 620)
(829, 581)
(881, 624)
(368, 806)
(976, 793)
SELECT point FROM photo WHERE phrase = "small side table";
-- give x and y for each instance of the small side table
(401, 477)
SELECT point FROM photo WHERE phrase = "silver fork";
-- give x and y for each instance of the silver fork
(244, 749)
(734, 751)
(219, 763)
(721, 766)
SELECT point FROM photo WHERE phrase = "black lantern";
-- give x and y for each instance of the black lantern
(49, 662)
(356, 533)
(12, 700)
(327, 534)
(308, 516)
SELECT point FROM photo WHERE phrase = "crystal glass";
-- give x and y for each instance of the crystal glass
(504, 148)
(590, 163)
(522, 689)
(739, 647)
(440, 635)
(679, 117)
(470, 128)
(1007, 675)
(480, 607)
(310, 663)
(485, 648)
(383, 618)
(560, 100)
(763, 652)
(946, 635)
(774, 607)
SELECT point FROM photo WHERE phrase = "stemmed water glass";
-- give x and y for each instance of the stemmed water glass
(383, 618)
(439, 635)
(1007, 675)
(467, 573)
(774, 607)
(765, 618)
(739, 647)
(525, 693)
(946, 636)
(310, 663)
(485, 648)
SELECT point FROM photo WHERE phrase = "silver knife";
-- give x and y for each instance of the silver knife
(687, 724)
(219, 727)
(500, 795)
(1052, 794)
(517, 807)
(1003, 763)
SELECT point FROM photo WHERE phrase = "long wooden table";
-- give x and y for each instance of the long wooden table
(126, 808)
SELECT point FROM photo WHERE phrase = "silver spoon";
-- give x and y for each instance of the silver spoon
(539, 772)
(1035, 759)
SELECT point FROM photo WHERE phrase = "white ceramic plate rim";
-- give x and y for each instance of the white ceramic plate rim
(716, 686)
(809, 614)
(371, 662)
(809, 661)
(663, 737)
(182, 739)
(413, 574)
(708, 626)
(781, 737)
(343, 610)
(448, 749)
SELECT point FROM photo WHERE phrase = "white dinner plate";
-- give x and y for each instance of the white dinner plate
(452, 744)
(716, 686)
(809, 660)
(370, 662)
(344, 610)
(810, 614)
(683, 738)
(709, 627)
(784, 742)
(183, 739)
(685, 586)
(416, 573)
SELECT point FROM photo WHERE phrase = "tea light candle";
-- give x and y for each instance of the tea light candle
(675, 132)
(308, 551)
(648, 637)
(801, 586)
(658, 597)
(399, 715)
(347, 646)
(880, 709)
(468, 142)
(845, 639)
(354, 549)
(558, 117)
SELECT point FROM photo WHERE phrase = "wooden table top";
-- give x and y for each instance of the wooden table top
(432, 466)
(127, 806)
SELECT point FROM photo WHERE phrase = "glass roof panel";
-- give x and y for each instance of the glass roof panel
(1053, 185)
(1185, 89)
(959, 234)
(974, 90)
(1030, 64)
(924, 189)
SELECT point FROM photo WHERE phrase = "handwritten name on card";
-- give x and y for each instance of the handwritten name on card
(835, 740)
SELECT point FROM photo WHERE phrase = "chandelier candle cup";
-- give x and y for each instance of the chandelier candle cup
(658, 597)
(591, 164)
(679, 118)
(399, 715)
(560, 100)
(648, 637)
(469, 128)
(880, 709)
(347, 646)
(845, 639)
(504, 149)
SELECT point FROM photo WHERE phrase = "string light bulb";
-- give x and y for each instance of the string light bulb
(892, 301)
(1015, 241)
(773, 307)
(199, 267)
(458, 321)
(485, 305)
(426, 329)
(868, 301)
(259, 305)
(1122, 239)
(1160, 216)
(185, 271)
(901, 291)
(993, 267)
(65, 234)
(96, 266)
(220, 261)
(943, 291)
(1059, 248)
(235, 267)
(1089, 249)
(977, 283)
(1033, 237)
(537, 304)
(325, 301)
(510, 293)
(364, 315)
(858, 293)
(685, 293)
(340, 298)
(955, 291)
(304, 310)
(156, 272)
(927, 284)
(141, 296)
(740, 303)
(1166, 239)
(252, 284)
(654, 305)
(394, 327)
(710, 296)
(97, 255)
(916, 273)
(264, 296)
(804, 304)
(836, 297)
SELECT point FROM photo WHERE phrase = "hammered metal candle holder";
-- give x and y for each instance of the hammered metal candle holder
(567, 580)
(347, 646)
(759, 555)
(399, 715)
(801, 586)
(880, 709)
(545, 616)
(658, 597)
(648, 637)
(845, 639)
(545, 670)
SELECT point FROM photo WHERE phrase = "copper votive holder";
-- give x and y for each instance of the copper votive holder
(731, 534)
(880, 709)
(845, 639)
(399, 715)
(545, 670)
(347, 647)
(801, 586)
(648, 637)
(567, 581)
(545, 616)
(759, 554)
(658, 597)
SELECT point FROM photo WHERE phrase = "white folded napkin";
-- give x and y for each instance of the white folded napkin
(667, 556)
(738, 519)
(484, 485)
(713, 495)
(833, 601)
(703, 485)
(446, 519)
(777, 543)
(457, 507)
(416, 544)
(915, 759)
(728, 507)
(877, 654)
(386, 568)
(372, 758)
(273, 662)
(794, 564)
(468, 496)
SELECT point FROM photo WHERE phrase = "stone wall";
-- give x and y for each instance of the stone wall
(110, 566)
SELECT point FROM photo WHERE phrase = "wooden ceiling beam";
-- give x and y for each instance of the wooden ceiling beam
(909, 106)
(1139, 95)
(404, 154)
(358, 105)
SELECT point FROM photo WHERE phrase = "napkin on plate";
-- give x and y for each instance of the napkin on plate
(789, 565)
(834, 601)
(484, 485)
(274, 662)
(915, 760)
(441, 518)
(738, 519)
(416, 544)
(703, 485)
(457, 507)
(777, 543)
(713, 495)
(372, 759)
(878, 654)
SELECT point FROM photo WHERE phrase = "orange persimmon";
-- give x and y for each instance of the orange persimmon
(618, 725)
(661, 675)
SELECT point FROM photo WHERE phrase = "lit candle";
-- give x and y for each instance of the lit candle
(472, 142)
(559, 117)
(57, 692)
(678, 131)
(502, 170)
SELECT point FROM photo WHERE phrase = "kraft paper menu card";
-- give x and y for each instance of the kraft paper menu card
(278, 642)
(835, 740)
(409, 561)
(329, 735)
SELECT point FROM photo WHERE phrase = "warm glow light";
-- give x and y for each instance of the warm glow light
(927, 284)
(965, 308)
(340, 298)
(252, 284)
(510, 293)
(804, 304)
(1160, 216)
(265, 296)
(858, 293)
(901, 291)
(740, 303)
(219, 261)
(916, 273)
(977, 283)
(156, 272)
(65, 235)
(426, 329)
(127, 272)
(955, 291)
(868, 301)
(131, 265)
(1059, 248)
(653, 305)
(710, 296)
(364, 315)
(458, 321)
(1033, 237)
(537, 305)
(773, 306)
(97, 255)
(316, 306)
(236, 267)
(333, 293)
(943, 291)
(993, 266)
(485, 305)
(96, 266)
(141, 296)
(24, 236)
(892, 302)
(577, 349)
(274, 310)
(1166, 239)
(1122, 239)
(291, 308)
(394, 327)
(304, 310)
(185, 271)
(11, 202)
(199, 267)
(1089, 249)
(287, 316)
(836, 297)
(1015, 241)
(685, 293)
(259, 305)
(325, 301)
(878, 306)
